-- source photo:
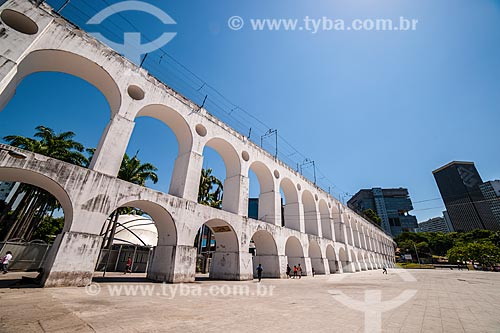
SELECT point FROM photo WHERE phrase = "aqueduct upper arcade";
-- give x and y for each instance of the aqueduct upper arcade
(319, 232)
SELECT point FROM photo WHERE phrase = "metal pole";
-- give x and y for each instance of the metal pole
(276, 139)
(133, 258)
(118, 257)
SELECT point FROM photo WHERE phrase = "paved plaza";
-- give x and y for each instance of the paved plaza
(414, 301)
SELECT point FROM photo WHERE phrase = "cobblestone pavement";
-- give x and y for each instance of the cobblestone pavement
(413, 301)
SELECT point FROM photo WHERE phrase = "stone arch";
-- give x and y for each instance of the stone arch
(354, 260)
(225, 264)
(348, 224)
(316, 258)
(362, 260)
(291, 209)
(355, 233)
(174, 120)
(161, 266)
(44, 182)
(267, 195)
(232, 183)
(167, 230)
(326, 224)
(332, 259)
(51, 60)
(310, 213)
(266, 253)
(295, 253)
(344, 261)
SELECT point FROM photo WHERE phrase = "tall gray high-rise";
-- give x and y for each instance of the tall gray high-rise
(391, 205)
(459, 185)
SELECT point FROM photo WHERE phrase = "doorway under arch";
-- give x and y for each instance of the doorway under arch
(295, 253)
(266, 254)
(317, 262)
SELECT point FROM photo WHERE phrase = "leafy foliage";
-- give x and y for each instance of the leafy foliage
(371, 215)
(482, 246)
(206, 194)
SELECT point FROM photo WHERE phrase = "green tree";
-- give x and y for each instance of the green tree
(133, 171)
(372, 216)
(36, 203)
(207, 195)
(483, 252)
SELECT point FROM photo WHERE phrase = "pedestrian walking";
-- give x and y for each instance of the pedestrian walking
(259, 272)
(128, 267)
(294, 272)
(5, 262)
(314, 272)
(288, 270)
(299, 271)
(384, 270)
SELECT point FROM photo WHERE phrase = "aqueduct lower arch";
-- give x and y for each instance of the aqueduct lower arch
(88, 196)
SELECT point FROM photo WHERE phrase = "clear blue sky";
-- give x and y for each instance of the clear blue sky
(371, 108)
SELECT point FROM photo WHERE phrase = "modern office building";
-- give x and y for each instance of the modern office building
(391, 205)
(458, 183)
(436, 224)
(491, 193)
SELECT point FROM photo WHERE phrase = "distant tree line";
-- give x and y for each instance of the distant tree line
(480, 246)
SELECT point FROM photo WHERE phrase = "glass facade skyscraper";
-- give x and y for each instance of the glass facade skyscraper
(391, 205)
(459, 185)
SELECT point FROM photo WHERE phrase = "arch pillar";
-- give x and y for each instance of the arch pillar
(112, 146)
(185, 179)
(235, 199)
(274, 265)
(231, 266)
(172, 263)
(268, 203)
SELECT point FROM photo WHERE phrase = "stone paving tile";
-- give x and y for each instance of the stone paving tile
(446, 301)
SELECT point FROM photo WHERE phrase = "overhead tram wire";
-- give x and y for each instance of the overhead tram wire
(192, 86)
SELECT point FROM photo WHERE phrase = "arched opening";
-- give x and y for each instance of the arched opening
(295, 254)
(338, 223)
(261, 184)
(344, 261)
(162, 138)
(64, 62)
(266, 254)
(332, 260)
(34, 209)
(362, 261)
(317, 262)
(349, 232)
(310, 213)
(291, 209)
(231, 175)
(62, 92)
(363, 237)
(355, 233)
(220, 251)
(326, 221)
(140, 237)
(354, 261)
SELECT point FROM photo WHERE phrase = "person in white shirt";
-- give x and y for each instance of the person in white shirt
(5, 261)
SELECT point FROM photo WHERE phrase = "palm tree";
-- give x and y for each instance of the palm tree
(209, 197)
(205, 194)
(36, 202)
(133, 171)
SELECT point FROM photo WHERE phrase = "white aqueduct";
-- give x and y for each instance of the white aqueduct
(319, 232)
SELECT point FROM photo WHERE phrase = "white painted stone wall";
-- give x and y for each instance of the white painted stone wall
(90, 196)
